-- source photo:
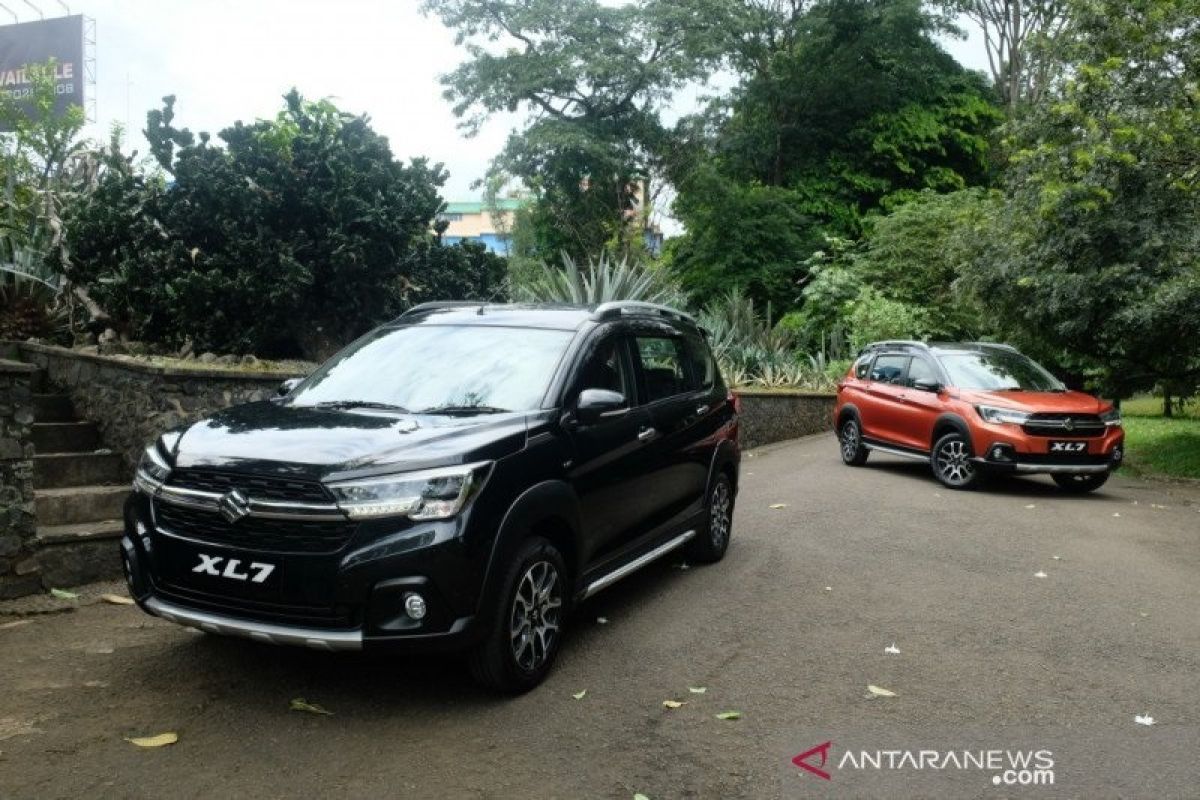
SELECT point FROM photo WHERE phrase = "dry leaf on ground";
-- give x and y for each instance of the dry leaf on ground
(879, 691)
(579, 695)
(729, 715)
(673, 704)
(117, 599)
(300, 704)
(161, 740)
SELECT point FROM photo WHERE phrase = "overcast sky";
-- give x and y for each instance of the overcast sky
(234, 59)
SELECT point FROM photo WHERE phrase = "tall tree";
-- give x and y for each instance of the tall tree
(1097, 254)
(1019, 38)
(592, 77)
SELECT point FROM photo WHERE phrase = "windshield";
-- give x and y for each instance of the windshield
(447, 368)
(998, 372)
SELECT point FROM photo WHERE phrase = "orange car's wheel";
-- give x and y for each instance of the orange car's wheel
(854, 452)
(952, 464)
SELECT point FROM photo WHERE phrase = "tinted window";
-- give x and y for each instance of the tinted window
(861, 366)
(997, 371)
(888, 369)
(920, 370)
(604, 368)
(424, 367)
(702, 370)
(662, 366)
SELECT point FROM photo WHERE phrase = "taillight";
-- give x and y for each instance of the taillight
(737, 401)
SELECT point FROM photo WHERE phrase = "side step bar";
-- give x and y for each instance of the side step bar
(625, 570)
(893, 451)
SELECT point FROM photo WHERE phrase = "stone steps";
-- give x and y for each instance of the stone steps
(65, 437)
(53, 408)
(60, 470)
(69, 555)
(74, 504)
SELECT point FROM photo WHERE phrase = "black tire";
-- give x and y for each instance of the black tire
(518, 651)
(710, 545)
(850, 443)
(1081, 484)
(951, 462)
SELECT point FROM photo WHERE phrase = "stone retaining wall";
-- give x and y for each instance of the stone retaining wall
(776, 416)
(133, 402)
(18, 525)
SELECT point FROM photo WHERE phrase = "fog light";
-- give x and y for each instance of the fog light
(414, 606)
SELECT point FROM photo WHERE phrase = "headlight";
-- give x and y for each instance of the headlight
(995, 414)
(1112, 417)
(152, 470)
(429, 494)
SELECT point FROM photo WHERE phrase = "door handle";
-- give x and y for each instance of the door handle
(701, 410)
(646, 434)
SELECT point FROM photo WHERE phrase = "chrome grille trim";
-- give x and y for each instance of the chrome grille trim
(268, 509)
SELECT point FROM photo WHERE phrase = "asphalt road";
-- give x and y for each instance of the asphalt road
(789, 630)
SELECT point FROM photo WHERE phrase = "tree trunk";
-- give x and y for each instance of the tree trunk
(1168, 407)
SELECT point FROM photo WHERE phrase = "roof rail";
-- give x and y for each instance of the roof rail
(616, 308)
(1001, 345)
(895, 343)
(436, 304)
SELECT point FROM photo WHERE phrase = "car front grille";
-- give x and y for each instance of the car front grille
(261, 487)
(256, 533)
(1065, 426)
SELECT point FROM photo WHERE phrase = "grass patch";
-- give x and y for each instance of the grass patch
(1155, 446)
(1148, 406)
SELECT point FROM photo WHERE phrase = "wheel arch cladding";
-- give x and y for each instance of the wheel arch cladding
(951, 423)
(724, 462)
(549, 509)
(846, 413)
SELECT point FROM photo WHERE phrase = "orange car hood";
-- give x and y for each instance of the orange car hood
(1044, 402)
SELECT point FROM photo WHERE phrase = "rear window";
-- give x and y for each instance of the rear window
(889, 369)
(662, 366)
(702, 371)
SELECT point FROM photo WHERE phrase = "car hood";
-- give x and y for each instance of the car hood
(319, 443)
(1039, 402)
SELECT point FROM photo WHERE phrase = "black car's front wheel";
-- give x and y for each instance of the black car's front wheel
(710, 544)
(1081, 484)
(526, 629)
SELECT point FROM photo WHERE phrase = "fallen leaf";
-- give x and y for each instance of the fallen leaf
(729, 715)
(1143, 613)
(1143, 719)
(116, 599)
(601, 620)
(579, 695)
(1039, 574)
(300, 704)
(16, 624)
(697, 689)
(1115, 514)
(640, 796)
(161, 740)
(95, 684)
(1057, 558)
(892, 649)
(63, 594)
(879, 691)
(1031, 505)
(778, 505)
(829, 588)
(673, 704)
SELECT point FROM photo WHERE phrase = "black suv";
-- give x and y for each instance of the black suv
(456, 479)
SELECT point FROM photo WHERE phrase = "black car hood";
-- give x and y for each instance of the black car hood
(319, 443)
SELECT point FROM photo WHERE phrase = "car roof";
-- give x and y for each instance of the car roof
(556, 316)
(904, 345)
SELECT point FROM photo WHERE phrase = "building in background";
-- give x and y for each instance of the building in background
(475, 222)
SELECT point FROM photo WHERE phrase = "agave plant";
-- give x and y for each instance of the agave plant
(601, 280)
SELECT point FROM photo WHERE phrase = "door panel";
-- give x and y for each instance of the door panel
(884, 412)
(922, 408)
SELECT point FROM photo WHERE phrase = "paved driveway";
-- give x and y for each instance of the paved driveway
(789, 630)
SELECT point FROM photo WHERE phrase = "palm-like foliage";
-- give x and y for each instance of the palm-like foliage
(599, 281)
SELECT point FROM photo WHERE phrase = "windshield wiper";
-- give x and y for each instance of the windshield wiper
(360, 404)
(463, 410)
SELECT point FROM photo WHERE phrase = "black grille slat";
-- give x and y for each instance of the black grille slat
(257, 533)
(259, 487)
(1082, 425)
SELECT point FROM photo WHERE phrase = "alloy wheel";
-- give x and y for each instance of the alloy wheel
(954, 462)
(849, 440)
(536, 615)
(720, 515)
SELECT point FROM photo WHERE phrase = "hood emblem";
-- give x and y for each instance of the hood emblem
(234, 505)
(1068, 424)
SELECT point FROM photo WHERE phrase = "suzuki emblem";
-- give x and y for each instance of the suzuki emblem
(1068, 424)
(233, 505)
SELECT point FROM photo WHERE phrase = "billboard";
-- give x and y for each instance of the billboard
(37, 42)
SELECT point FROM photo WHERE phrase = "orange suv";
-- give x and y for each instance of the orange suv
(971, 409)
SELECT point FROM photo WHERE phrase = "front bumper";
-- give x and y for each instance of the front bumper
(349, 600)
(1030, 456)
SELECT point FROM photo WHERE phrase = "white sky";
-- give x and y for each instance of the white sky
(234, 59)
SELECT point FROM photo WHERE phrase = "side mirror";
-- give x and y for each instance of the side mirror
(286, 387)
(597, 404)
(927, 385)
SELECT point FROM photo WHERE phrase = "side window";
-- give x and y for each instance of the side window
(889, 369)
(662, 366)
(606, 368)
(702, 372)
(920, 370)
